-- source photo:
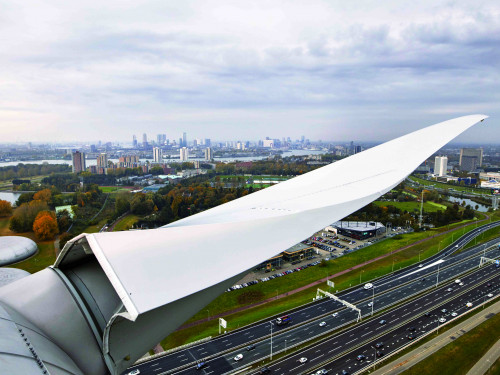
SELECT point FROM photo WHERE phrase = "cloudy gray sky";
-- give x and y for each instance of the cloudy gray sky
(331, 70)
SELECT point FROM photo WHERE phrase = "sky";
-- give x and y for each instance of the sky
(243, 70)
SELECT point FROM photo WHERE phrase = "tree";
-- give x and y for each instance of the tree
(45, 225)
(24, 216)
(63, 238)
(43, 195)
(5, 208)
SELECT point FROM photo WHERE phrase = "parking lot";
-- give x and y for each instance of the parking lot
(327, 246)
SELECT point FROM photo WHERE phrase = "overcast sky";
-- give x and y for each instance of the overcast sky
(331, 70)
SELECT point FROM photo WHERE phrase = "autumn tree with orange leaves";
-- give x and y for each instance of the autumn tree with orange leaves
(45, 225)
(5, 208)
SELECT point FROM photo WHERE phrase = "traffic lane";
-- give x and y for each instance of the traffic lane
(253, 333)
(400, 337)
(312, 329)
(358, 334)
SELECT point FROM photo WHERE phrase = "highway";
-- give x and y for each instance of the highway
(341, 352)
(387, 290)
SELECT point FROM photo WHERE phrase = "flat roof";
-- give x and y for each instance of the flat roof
(358, 225)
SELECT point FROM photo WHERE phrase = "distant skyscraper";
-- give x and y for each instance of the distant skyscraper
(102, 163)
(195, 142)
(184, 140)
(357, 149)
(208, 143)
(440, 165)
(160, 139)
(157, 155)
(93, 148)
(144, 140)
(209, 154)
(184, 154)
(471, 159)
(134, 141)
(78, 162)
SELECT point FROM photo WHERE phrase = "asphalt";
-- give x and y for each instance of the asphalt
(410, 359)
(387, 291)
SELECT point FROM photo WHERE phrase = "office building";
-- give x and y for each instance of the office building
(471, 159)
(184, 154)
(144, 140)
(134, 141)
(161, 138)
(440, 165)
(208, 142)
(184, 140)
(78, 162)
(157, 155)
(209, 154)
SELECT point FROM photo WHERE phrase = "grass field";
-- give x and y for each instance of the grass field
(261, 291)
(126, 223)
(442, 185)
(114, 189)
(412, 206)
(96, 227)
(458, 357)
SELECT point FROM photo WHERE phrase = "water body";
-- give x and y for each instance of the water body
(90, 162)
(481, 207)
(9, 197)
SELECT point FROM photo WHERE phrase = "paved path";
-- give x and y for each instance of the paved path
(408, 360)
(482, 366)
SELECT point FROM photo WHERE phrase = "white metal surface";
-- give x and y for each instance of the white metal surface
(152, 268)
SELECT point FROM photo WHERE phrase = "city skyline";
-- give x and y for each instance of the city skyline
(343, 72)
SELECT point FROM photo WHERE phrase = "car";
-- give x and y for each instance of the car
(344, 372)
(361, 357)
(380, 353)
(488, 285)
(303, 360)
(423, 279)
(334, 315)
(410, 336)
(379, 345)
(444, 311)
(454, 313)
(250, 347)
(442, 320)
(322, 324)
(461, 284)
(458, 281)
(370, 304)
(200, 365)
(427, 313)
(368, 286)
(490, 295)
(383, 321)
(238, 357)
(449, 290)
(134, 372)
(411, 329)
(321, 372)
(264, 370)
(420, 265)
(468, 304)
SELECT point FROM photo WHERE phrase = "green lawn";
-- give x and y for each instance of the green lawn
(113, 189)
(262, 291)
(459, 356)
(126, 223)
(96, 227)
(412, 206)
(449, 186)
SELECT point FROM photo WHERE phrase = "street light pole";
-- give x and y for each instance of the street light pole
(271, 356)
(373, 298)
(437, 276)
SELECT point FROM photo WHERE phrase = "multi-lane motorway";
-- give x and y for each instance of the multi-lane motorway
(387, 291)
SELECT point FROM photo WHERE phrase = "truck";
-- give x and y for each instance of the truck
(283, 320)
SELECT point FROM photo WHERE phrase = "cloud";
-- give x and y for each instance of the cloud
(326, 68)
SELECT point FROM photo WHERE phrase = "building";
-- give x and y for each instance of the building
(440, 165)
(471, 159)
(208, 142)
(157, 155)
(184, 140)
(209, 154)
(102, 163)
(144, 140)
(184, 153)
(134, 141)
(161, 138)
(78, 162)
(359, 230)
(128, 161)
(268, 143)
